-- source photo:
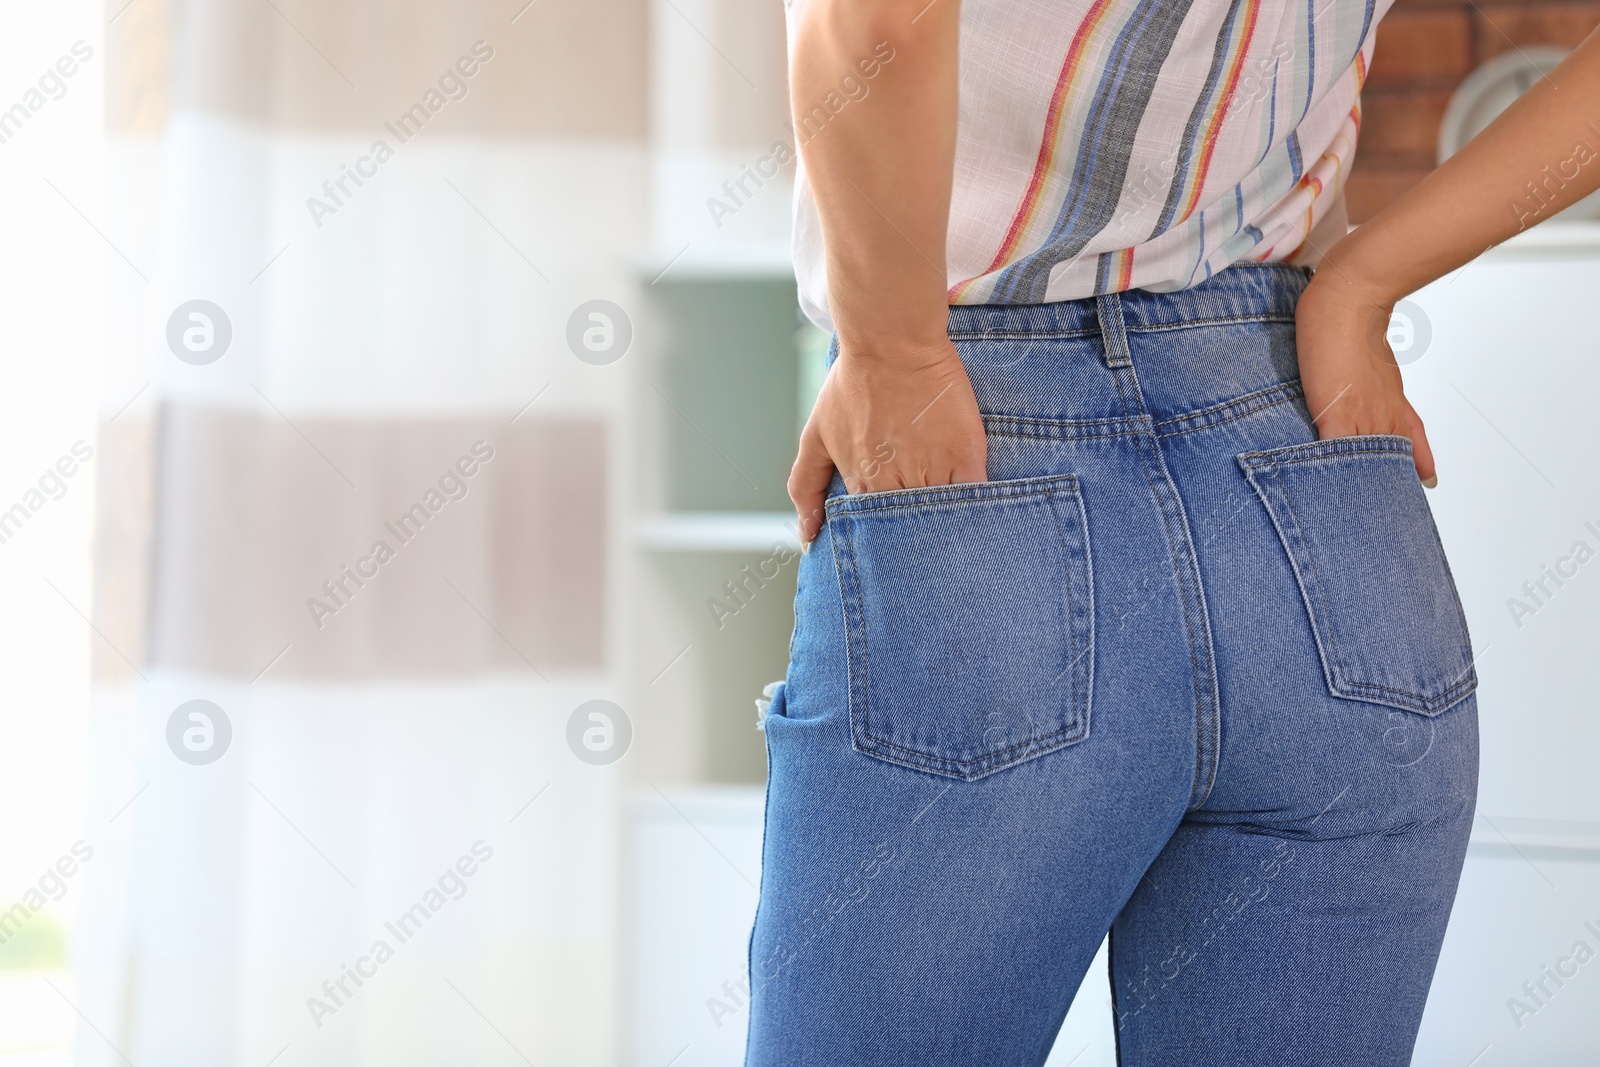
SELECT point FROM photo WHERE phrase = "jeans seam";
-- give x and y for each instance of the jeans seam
(850, 594)
(1260, 400)
(1048, 335)
(1214, 320)
(1083, 691)
(923, 761)
(959, 495)
(1064, 429)
(1111, 976)
(1342, 452)
(1449, 696)
(1231, 410)
(1313, 454)
(1180, 542)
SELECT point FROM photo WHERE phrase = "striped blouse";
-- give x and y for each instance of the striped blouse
(1105, 145)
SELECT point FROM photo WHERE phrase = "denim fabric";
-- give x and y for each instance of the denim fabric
(1179, 670)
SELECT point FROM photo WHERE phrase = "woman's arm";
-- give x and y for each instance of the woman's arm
(897, 410)
(1541, 155)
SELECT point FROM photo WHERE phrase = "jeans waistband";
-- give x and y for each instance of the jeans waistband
(1058, 370)
(1243, 292)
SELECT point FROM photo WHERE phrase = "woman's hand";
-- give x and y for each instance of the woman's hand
(896, 410)
(888, 421)
(1442, 223)
(1351, 380)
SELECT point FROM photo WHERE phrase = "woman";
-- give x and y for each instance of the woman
(1123, 608)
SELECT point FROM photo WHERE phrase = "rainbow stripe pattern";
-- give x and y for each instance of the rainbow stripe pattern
(1107, 145)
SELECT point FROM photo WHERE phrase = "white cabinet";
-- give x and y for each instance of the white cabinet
(1508, 385)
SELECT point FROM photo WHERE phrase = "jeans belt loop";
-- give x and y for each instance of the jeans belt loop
(1113, 332)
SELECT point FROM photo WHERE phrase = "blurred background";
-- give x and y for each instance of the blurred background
(398, 399)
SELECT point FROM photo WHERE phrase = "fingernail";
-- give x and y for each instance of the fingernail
(1431, 483)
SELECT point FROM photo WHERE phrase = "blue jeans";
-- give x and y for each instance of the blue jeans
(1180, 670)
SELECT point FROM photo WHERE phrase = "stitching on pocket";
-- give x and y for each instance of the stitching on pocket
(1047, 493)
(1261, 470)
(1086, 680)
(958, 494)
(1325, 447)
(1329, 632)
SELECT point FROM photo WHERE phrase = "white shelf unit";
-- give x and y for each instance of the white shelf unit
(716, 549)
(769, 260)
(725, 531)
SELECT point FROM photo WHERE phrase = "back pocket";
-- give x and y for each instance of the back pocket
(969, 622)
(1361, 539)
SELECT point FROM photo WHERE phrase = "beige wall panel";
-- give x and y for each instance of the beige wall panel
(564, 68)
(752, 34)
(138, 57)
(124, 505)
(253, 516)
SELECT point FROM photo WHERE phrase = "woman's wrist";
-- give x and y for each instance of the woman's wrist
(894, 317)
(1342, 303)
(1356, 271)
(894, 351)
(885, 333)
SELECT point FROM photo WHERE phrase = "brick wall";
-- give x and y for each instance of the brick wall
(1425, 48)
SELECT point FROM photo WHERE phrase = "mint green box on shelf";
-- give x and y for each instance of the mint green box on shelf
(741, 369)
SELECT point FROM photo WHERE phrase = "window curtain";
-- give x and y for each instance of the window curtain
(357, 533)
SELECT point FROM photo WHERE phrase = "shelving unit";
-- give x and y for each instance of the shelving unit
(719, 531)
(728, 382)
